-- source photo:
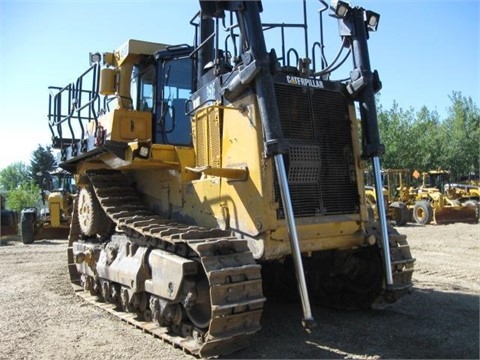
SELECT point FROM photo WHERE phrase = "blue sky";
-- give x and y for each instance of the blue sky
(423, 51)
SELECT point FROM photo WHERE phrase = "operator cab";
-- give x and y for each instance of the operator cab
(137, 93)
(163, 87)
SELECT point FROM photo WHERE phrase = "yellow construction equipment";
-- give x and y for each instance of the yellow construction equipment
(397, 196)
(213, 175)
(444, 199)
(424, 204)
(53, 220)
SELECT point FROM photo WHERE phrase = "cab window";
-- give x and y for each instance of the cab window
(173, 124)
(143, 88)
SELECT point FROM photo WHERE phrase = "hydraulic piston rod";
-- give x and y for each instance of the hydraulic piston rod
(383, 220)
(274, 142)
(354, 24)
(308, 320)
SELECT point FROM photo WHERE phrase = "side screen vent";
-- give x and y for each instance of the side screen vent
(206, 137)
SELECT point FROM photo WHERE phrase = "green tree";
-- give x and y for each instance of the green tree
(427, 138)
(42, 161)
(14, 175)
(395, 125)
(26, 195)
(421, 140)
(462, 136)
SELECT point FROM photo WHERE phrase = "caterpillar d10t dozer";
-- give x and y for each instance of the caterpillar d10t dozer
(211, 175)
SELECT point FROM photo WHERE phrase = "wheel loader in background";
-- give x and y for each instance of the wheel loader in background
(212, 176)
(53, 220)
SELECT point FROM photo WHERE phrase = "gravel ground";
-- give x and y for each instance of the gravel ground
(41, 318)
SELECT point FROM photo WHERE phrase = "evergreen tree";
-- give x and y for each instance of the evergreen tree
(42, 161)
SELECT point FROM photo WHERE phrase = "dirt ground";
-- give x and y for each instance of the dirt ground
(41, 318)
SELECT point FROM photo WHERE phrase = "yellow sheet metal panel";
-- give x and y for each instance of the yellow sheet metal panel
(332, 232)
(358, 171)
(164, 153)
(134, 47)
(55, 205)
(202, 202)
(161, 189)
(127, 125)
(250, 201)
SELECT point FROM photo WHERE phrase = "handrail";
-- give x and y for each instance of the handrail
(74, 102)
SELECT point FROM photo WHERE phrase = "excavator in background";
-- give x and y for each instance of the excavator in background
(53, 220)
(212, 176)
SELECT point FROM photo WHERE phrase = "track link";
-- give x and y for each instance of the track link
(401, 262)
(234, 278)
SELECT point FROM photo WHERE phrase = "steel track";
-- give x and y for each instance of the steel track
(236, 295)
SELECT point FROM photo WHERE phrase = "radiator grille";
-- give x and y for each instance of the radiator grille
(320, 164)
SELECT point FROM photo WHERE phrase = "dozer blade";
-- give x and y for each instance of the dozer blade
(52, 233)
(449, 215)
(8, 230)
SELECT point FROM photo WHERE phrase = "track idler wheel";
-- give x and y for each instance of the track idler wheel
(91, 217)
(197, 303)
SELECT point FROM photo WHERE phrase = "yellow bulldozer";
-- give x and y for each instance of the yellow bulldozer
(52, 221)
(212, 176)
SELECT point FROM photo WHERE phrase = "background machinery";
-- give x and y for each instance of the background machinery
(440, 179)
(397, 196)
(423, 204)
(9, 223)
(210, 175)
(53, 220)
(448, 203)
